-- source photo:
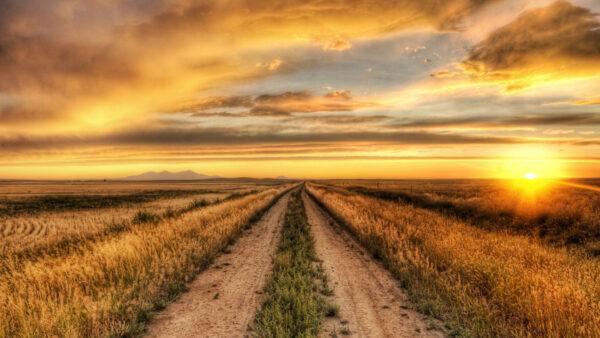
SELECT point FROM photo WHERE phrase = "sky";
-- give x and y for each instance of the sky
(306, 89)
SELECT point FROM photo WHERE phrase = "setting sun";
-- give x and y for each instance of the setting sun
(530, 176)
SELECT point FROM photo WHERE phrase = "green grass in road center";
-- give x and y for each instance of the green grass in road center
(293, 306)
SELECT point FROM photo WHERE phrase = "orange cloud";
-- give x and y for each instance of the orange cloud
(338, 44)
(590, 102)
(555, 42)
(138, 57)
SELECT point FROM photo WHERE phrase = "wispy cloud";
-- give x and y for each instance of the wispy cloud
(500, 121)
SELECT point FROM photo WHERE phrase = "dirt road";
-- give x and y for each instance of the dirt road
(370, 300)
(222, 301)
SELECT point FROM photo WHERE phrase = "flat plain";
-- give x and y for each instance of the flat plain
(361, 258)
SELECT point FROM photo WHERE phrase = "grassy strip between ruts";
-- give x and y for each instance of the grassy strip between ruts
(293, 306)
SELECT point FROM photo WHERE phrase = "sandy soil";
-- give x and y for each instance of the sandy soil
(370, 300)
(222, 300)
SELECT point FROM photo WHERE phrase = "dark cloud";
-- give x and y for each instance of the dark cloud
(219, 114)
(269, 111)
(561, 40)
(314, 19)
(323, 119)
(208, 137)
(22, 113)
(42, 65)
(515, 121)
(341, 119)
(222, 102)
(276, 105)
(269, 99)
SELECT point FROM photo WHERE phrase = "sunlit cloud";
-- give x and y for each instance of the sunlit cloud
(93, 81)
(543, 44)
(587, 102)
(339, 44)
(129, 45)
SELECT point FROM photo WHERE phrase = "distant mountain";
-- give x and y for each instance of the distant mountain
(168, 176)
(282, 178)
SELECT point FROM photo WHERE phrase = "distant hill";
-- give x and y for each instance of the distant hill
(282, 178)
(168, 176)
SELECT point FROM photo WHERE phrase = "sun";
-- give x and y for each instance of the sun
(530, 176)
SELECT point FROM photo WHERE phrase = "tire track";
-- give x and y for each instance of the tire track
(222, 301)
(371, 302)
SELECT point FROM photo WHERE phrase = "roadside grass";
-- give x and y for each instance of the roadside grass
(480, 283)
(293, 305)
(112, 287)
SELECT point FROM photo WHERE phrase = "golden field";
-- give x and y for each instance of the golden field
(44, 228)
(109, 283)
(480, 282)
(558, 212)
(488, 258)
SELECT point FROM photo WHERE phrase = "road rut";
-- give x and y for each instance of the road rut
(222, 301)
(369, 298)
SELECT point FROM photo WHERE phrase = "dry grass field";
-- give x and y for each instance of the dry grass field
(556, 212)
(38, 217)
(476, 258)
(481, 280)
(84, 269)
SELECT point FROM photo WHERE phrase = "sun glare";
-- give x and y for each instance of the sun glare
(530, 176)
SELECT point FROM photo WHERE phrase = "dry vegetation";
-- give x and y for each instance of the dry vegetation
(488, 259)
(555, 213)
(10, 190)
(110, 282)
(482, 282)
(27, 231)
(36, 218)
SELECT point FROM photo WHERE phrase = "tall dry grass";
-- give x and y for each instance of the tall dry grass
(557, 213)
(22, 232)
(23, 189)
(111, 287)
(482, 283)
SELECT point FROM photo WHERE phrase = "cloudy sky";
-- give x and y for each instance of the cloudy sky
(314, 89)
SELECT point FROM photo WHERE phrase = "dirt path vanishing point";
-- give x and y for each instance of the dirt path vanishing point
(369, 298)
(222, 301)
